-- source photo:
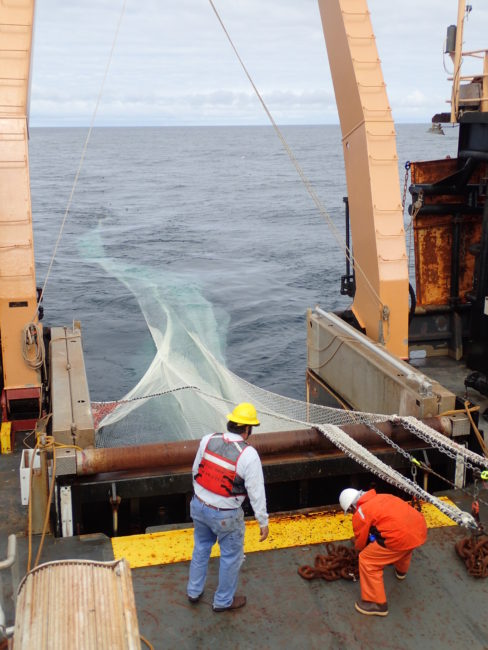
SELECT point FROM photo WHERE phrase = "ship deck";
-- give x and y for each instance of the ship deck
(439, 605)
(451, 374)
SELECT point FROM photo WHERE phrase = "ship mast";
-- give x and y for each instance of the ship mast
(472, 95)
(374, 196)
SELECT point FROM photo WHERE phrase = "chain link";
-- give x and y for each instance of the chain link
(405, 183)
(476, 489)
(369, 461)
(374, 465)
(413, 470)
(441, 442)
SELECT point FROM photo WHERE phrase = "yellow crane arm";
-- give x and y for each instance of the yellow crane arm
(371, 162)
(18, 299)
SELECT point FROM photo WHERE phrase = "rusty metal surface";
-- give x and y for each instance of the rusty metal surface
(181, 454)
(433, 252)
(433, 235)
(77, 604)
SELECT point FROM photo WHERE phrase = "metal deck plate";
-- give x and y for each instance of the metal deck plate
(438, 607)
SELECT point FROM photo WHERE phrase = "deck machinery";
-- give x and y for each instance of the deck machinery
(439, 320)
(44, 386)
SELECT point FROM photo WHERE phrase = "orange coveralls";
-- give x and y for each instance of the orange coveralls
(402, 528)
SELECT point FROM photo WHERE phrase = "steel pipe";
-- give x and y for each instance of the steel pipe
(179, 455)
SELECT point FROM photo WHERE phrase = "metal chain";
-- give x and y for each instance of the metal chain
(150, 396)
(405, 183)
(440, 442)
(473, 495)
(340, 562)
(353, 449)
(388, 440)
(373, 464)
(429, 440)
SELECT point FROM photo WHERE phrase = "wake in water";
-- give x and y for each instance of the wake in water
(190, 352)
(187, 390)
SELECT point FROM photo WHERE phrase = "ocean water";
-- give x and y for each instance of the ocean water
(213, 222)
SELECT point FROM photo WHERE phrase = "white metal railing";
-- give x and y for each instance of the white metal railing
(11, 562)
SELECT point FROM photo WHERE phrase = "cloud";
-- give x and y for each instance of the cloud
(213, 107)
(173, 64)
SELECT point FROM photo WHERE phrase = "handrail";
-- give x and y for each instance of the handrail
(416, 378)
(8, 563)
(11, 553)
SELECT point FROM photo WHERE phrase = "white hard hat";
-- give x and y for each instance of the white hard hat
(349, 497)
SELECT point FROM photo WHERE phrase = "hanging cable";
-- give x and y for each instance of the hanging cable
(338, 237)
(82, 158)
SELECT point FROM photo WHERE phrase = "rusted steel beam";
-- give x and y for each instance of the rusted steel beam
(182, 453)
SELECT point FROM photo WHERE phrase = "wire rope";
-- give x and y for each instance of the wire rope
(82, 157)
(308, 185)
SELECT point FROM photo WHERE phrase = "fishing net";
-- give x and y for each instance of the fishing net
(188, 391)
(190, 412)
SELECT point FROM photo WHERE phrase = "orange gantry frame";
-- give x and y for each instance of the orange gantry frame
(18, 298)
(371, 163)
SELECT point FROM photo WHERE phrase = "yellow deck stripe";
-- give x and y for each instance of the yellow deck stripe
(285, 531)
(5, 438)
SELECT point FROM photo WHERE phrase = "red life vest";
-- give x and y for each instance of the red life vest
(217, 470)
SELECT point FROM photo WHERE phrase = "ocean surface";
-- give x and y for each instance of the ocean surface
(212, 220)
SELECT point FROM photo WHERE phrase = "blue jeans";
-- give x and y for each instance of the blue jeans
(226, 527)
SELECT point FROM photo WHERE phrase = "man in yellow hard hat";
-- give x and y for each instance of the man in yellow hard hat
(225, 470)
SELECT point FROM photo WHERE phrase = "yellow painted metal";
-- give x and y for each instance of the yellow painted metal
(5, 439)
(373, 183)
(286, 531)
(434, 517)
(484, 101)
(18, 298)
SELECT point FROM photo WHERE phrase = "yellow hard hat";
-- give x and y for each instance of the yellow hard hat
(244, 413)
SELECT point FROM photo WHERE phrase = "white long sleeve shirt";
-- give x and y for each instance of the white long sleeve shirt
(249, 469)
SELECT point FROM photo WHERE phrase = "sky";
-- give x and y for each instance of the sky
(172, 63)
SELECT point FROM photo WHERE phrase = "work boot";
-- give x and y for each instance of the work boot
(238, 601)
(400, 575)
(194, 599)
(371, 609)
